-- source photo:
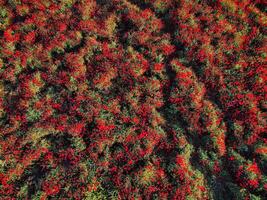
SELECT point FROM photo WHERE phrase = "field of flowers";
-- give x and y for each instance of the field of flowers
(133, 99)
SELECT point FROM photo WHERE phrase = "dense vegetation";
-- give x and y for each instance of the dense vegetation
(133, 99)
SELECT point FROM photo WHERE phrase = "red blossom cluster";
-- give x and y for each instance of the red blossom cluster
(131, 99)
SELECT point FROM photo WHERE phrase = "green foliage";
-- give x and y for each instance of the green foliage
(33, 115)
(4, 18)
(100, 194)
(23, 191)
(78, 143)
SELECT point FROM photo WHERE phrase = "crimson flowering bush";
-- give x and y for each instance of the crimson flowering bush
(133, 99)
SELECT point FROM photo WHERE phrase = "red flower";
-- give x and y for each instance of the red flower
(77, 128)
(62, 27)
(254, 168)
(158, 66)
(253, 183)
(168, 49)
(52, 190)
(30, 37)
(146, 14)
(9, 37)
